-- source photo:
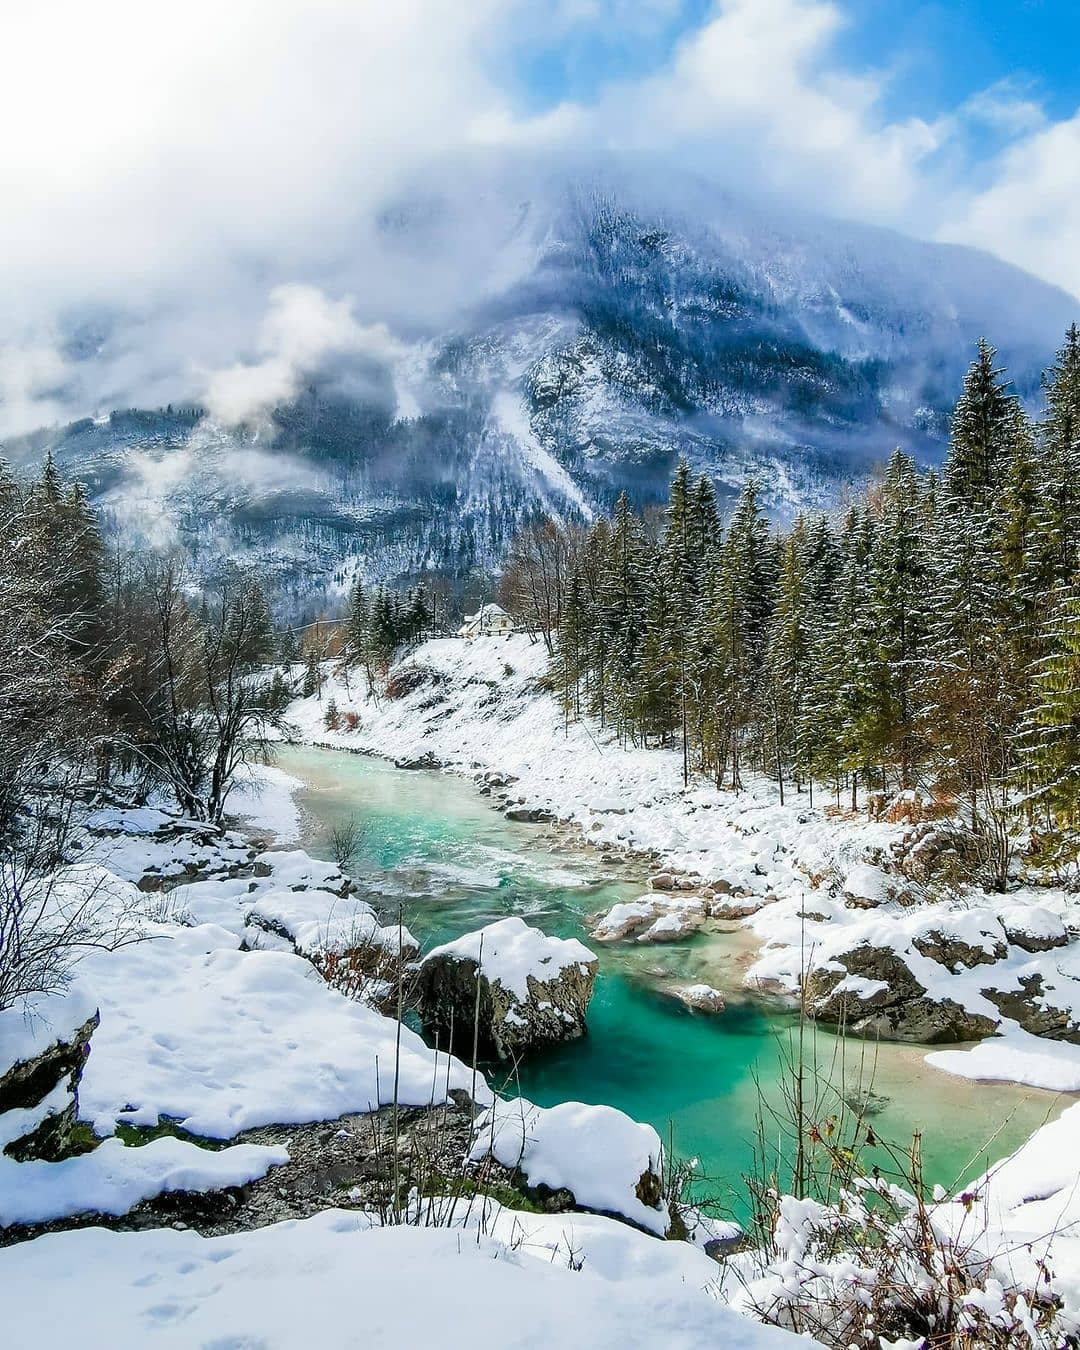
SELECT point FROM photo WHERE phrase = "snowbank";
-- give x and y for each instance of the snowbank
(333, 1280)
(222, 1040)
(605, 1159)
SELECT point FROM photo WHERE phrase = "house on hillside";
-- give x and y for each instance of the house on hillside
(488, 621)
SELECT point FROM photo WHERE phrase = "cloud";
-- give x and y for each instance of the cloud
(1029, 212)
(164, 176)
(302, 327)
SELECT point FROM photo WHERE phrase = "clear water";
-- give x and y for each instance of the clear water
(435, 847)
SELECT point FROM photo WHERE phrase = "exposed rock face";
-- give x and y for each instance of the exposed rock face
(953, 952)
(1032, 1006)
(47, 1079)
(523, 989)
(936, 851)
(875, 994)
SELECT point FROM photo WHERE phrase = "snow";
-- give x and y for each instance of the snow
(262, 797)
(114, 1178)
(482, 708)
(222, 1040)
(1025, 1212)
(596, 1152)
(512, 419)
(30, 1026)
(337, 1280)
(509, 951)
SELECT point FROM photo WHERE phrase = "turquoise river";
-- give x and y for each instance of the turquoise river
(433, 845)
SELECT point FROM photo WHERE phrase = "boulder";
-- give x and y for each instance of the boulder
(520, 987)
(672, 881)
(1033, 928)
(425, 761)
(870, 991)
(700, 997)
(1030, 1004)
(594, 1158)
(529, 815)
(655, 918)
(42, 1064)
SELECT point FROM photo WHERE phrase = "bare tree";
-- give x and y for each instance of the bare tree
(536, 578)
(198, 704)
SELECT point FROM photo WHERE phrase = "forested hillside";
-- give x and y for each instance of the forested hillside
(926, 635)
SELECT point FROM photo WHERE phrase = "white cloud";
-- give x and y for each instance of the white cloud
(166, 169)
(1029, 213)
(302, 326)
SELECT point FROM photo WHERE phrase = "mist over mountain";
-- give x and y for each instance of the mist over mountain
(509, 336)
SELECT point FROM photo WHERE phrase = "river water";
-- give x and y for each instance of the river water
(433, 846)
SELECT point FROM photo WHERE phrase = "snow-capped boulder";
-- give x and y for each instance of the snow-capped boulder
(656, 917)
(871, 991)
(1032, 927)
(700, 997)
(42, 1053)
(533, 989)
(866, 887)
(589, 1157)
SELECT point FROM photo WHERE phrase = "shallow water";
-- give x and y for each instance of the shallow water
(433, 845)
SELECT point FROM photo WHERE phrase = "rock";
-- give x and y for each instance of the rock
(1033, 928)
(1030, 1005)
(925, 1021)
(874, 993)
(671, 881)
(529, 815)
(866, 887)
(47, 1078)
(534, 990)
(656, 917)
(674, 925)
(700, 997)
(740, 908)
(595, 1155)
(425, 761)
(936, 851)
(955, 953)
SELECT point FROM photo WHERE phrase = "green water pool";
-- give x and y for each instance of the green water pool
(433, 846)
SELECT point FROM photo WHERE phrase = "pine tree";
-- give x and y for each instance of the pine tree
(981, 429)
(1059, 476)
(1057, 712)
(899, 577)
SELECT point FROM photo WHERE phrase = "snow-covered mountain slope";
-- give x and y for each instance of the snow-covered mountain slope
(562, 332)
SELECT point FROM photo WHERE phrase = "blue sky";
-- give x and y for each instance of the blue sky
(936, 55)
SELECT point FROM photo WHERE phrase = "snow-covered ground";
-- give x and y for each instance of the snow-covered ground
(575, 1282)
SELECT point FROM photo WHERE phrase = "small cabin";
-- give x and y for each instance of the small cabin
(488, 621)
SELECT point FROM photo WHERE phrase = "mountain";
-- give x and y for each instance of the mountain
(588, 325)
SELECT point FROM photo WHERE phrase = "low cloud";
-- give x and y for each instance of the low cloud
(301, 329)
(168, 183)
